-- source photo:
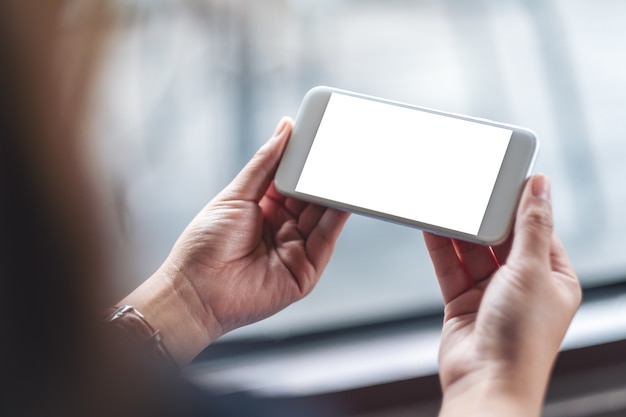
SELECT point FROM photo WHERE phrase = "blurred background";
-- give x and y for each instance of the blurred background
(189, 89)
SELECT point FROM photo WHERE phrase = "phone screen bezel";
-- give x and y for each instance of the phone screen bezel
(498, 218)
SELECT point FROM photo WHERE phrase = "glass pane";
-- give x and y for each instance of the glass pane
(190, 89)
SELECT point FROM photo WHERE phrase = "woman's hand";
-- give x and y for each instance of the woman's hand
(507, 309)
(248, 254)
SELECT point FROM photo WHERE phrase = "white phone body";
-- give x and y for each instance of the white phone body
(453, 175)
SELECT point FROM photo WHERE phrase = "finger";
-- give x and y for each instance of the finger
(451, 275)
(559, 259)
(310, 218)
(295, 206)
(273, 193)
(321, 241)
(255, 178)
(566, 274)
(479, 260)
(292, 205)
(534, 224)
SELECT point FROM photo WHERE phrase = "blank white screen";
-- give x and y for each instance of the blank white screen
(411, 164)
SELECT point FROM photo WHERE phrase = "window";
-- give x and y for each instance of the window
(190, 89)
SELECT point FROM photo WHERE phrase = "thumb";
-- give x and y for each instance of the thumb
(534, 224)
(254, 179)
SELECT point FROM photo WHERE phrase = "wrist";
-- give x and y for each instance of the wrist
(495, 393)
(486, 401)
(171, 305)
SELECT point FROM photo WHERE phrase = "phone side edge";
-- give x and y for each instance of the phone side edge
(516, 167)
(307, 121)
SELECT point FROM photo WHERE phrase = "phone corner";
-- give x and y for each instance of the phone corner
(280, 186)
(318, 89)
(499, 239)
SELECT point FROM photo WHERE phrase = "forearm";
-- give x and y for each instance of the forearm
(169, 303)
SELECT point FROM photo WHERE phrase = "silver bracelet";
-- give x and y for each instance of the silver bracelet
(132, 322)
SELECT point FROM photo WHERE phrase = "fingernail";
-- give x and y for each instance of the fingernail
(280, 127)
(541, 187)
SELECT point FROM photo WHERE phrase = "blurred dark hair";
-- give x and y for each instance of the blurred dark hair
(50, 255)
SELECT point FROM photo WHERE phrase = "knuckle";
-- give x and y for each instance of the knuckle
(540, 218)
(576, 291)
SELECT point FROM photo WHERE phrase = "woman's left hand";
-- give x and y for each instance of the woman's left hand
(247, 255)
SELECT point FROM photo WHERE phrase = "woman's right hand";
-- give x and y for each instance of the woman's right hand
(507, 310)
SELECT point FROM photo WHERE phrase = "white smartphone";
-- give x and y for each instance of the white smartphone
(450, 174)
